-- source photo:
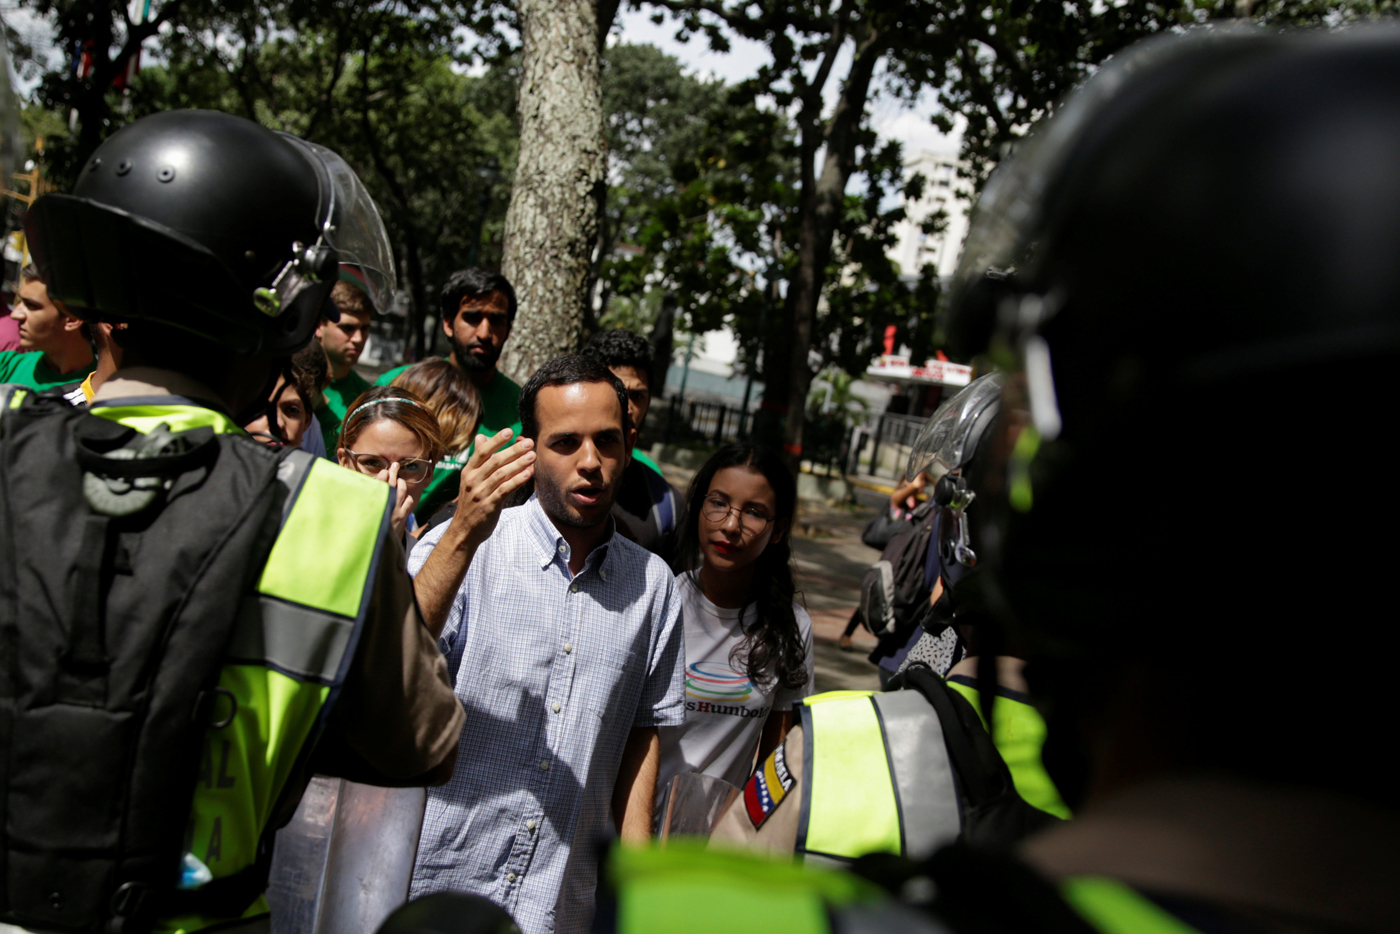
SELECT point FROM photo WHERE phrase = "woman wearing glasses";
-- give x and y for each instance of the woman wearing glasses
(748, 646)
(389, 434)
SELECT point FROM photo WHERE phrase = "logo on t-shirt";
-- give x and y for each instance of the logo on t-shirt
(712, 681)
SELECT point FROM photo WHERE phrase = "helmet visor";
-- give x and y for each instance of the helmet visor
(357, 232)
(942, 446)
(11, 148)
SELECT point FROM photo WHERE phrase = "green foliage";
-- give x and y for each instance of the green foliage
(380, 83)
(831, 397)
(667, 227)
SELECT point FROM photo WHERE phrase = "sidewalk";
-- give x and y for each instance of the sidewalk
(830, 561)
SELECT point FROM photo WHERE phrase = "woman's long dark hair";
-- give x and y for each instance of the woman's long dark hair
(772, 646)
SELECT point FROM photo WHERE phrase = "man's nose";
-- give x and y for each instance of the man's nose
(589, 460)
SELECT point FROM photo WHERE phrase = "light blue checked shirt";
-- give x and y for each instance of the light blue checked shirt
(554, 672)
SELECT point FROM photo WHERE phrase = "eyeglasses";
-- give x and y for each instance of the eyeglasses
(411, 469)
(752, 519)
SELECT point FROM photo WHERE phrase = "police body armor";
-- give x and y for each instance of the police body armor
(176, 633)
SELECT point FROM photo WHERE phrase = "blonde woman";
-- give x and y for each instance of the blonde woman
(391, 434)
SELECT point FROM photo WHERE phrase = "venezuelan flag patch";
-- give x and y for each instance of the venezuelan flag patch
(767, 788)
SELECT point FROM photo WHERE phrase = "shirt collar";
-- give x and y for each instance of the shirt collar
(549, 544)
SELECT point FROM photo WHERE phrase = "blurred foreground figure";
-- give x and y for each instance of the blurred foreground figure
(182, 645)
(1188, 274)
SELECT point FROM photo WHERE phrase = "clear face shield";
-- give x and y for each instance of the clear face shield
(11, 146)
(352, 238)
(943, 444)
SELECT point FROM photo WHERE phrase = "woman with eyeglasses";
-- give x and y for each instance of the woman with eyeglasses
(390, 434)
(748, 646)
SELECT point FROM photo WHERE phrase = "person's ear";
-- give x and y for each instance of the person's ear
(780, 528)
(71, 323)
(447, 325)
(631, 440)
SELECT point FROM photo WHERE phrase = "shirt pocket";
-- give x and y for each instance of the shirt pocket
(613, 679)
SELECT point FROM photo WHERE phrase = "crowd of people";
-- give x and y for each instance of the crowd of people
(602, 633)
(1137, 682)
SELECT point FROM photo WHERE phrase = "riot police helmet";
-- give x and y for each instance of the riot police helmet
(1188, 272)
(212, 225)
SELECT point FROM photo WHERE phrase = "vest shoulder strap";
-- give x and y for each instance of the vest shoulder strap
(310, 601)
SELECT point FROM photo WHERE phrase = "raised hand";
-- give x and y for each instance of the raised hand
(403, 503)
(491, 475)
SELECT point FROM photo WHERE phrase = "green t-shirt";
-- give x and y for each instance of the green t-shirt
(500, 408)
(339, 394)
(27, 367)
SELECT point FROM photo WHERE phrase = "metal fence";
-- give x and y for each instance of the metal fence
(694, 420)
(826, 442)
(889, 439)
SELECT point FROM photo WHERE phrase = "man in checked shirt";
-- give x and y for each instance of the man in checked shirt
(564, 642)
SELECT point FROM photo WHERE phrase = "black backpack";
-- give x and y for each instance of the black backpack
(114, 622)
(893, 593)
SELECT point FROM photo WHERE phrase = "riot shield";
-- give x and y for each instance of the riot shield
(344, 861)
(695, 804)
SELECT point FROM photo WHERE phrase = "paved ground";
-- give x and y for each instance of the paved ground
(830, 560)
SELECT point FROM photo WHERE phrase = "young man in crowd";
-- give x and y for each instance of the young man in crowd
(478, 311)
(301, 383)
(647, 508)
(563, 641)
(55, 350)
(343, 342)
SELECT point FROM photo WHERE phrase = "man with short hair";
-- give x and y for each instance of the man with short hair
(647, 508)
(343, 341)
(56, 352)
(564, 642)
(478, 311)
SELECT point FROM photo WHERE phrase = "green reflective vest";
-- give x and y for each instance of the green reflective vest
(685, 887)
(292, 644)
(876, 777)
(1019, 733)
(1114, 908)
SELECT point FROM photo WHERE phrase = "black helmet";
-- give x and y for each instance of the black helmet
(1174, 265)
(1189, 274)
(212, 224)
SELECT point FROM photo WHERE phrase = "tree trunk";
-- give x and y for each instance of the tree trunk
(552, 221)
(822, 204)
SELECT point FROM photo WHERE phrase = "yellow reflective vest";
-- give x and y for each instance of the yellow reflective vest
(292, 644)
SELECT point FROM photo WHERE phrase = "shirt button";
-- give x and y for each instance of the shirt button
(510, 877)
(573, 588)
(530, 826)
(563, 549)
(603, 575)
(556, 706)
(544, 766)
(568, 647)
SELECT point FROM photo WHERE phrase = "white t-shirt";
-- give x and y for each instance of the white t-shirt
(724, 710)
